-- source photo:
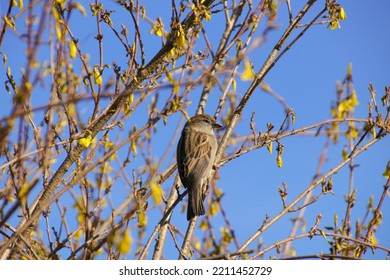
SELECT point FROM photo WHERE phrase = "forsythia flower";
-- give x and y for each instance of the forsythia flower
(351, 133)
(336, 13)
(72, 49)
(386, 174)
(97, 76)
(124, 245)
(342, 14)
(181, 38)
(157, 28)
(203, 225)
(226, 237)
(86, 141)
(201, 10)
(142, 219)
(156, 192)
(10, 22)
(279, 161)
(269, 147)
(248, 74)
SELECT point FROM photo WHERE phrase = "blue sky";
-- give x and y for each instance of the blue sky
(306, 78)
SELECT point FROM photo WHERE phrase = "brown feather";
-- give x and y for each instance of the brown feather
(195, 153)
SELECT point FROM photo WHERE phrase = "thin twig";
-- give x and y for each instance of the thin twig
(317, 234)
(310, 188)
(185, 248)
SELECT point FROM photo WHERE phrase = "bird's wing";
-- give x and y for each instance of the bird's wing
(193, 166)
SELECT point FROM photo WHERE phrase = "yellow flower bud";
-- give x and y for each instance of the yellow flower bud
(72, 49)
(248, 74)
(279, 161)
(97, 76)
(342, 14)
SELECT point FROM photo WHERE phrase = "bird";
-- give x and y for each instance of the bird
(195, 154)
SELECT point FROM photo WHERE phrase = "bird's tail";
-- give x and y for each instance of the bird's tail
(195, 204)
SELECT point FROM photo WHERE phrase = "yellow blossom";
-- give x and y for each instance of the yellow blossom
(180, 37)
(10, 22)
(157, 28)
(131, 98)
(97, 76)
(124, 245)
(214, 208)
(386, 174)
(351, 133)
(86, 141)
(353, 100)
(234, 84)
(344, 153)
(142, 219)
(126, 108)
(269, 147)
(342, 14)
(134, 147)
(197, 245)
(203, 225)
(22, 194)
(248, 74)
(226, 237)
(334, 24)
(72, 49)
(157, 192)
(176, 104)
(200, 11)
(279, 161)
(373, 239)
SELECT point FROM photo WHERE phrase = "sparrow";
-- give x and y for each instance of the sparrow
(195, 154)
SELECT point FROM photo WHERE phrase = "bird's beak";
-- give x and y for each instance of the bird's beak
(217, 126)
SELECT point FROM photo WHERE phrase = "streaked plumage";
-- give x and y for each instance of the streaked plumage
(195, 157)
